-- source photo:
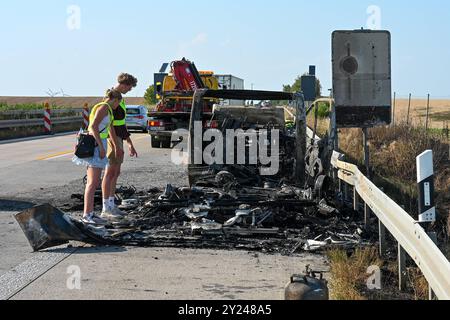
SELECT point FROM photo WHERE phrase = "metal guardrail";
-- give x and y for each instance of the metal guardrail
(40, 112)
(33, 118)
(36, 122)
(408, 232)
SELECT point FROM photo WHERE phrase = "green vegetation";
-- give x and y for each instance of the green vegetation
(297, 86)
(25, 107)
(323, 110)
(22, 111)
(150, 96)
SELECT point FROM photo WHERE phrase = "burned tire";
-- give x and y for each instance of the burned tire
(156, 144)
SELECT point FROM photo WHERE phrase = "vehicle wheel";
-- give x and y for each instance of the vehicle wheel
(156, 144)
(166, 144)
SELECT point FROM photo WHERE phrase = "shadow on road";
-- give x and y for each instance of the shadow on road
(88, 250)
(14, 205)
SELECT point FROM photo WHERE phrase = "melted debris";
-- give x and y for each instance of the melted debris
(270, 219)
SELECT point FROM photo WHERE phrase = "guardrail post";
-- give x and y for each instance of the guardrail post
(345, 192)
(431, 294)
(382, 238)
(367, 213)
(401, 268)
(366, 153)
(355, 200)
(341, 192)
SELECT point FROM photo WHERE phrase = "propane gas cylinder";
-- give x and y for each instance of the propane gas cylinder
(302, 287)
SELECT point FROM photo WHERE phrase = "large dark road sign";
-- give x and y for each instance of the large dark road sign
(362, 78)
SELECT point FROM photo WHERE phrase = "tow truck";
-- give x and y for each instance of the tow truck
(174, 91)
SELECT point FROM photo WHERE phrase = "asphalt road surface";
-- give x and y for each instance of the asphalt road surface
(39, 170)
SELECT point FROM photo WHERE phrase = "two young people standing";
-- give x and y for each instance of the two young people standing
(107, 125)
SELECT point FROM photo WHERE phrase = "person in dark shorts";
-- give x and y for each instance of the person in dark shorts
(125, 83)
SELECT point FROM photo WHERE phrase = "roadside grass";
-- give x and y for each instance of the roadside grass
(26, 107)
(21, 112)
(17, 112)
(350, 277)
(393, 161)
(417, 283)
(349, 272)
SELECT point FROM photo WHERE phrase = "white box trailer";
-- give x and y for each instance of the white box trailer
(230, 82)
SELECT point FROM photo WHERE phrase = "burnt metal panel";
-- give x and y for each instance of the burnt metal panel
(362, 78)
(46, 226)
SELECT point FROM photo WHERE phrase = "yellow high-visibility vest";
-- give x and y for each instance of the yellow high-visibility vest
(104, 134)
(119, 123)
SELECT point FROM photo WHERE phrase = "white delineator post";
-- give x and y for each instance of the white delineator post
(427, 208)
(47, 119)
(85, 116)
(425, 181)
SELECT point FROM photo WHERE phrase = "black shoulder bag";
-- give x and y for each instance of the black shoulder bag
(86, 145)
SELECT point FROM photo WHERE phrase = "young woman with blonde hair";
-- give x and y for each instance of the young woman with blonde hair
(101, 128)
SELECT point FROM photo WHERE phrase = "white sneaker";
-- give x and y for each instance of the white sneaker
(119, 212)
(93, 220)
(111, 215)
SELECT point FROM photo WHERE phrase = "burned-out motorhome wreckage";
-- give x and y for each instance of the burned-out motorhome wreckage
(242, 204)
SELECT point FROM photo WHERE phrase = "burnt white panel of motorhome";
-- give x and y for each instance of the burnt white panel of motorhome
(362, 78)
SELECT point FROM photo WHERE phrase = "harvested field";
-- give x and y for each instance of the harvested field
(69, 102)
(439, 111)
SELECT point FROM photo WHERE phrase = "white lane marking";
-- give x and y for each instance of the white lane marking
(14, 281)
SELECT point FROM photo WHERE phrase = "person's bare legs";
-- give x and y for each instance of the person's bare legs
(106, 185)
(110, 181)
(115, 177)
(93, 181)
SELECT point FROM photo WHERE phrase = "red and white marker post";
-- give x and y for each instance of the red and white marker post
(85, 116)
(47, 119)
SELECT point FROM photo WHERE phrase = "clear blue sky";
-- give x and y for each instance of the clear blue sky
(267, 43)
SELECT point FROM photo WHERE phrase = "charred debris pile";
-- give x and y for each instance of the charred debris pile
(273, 218)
